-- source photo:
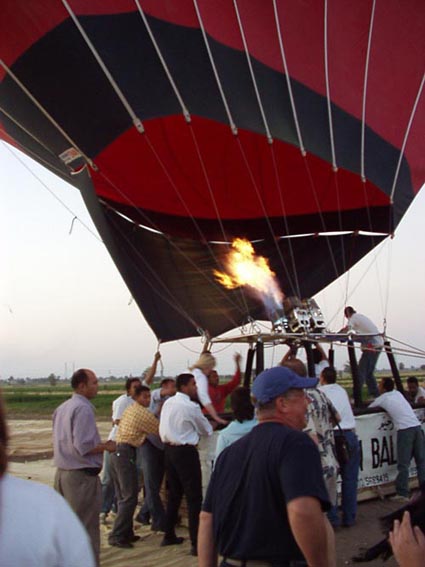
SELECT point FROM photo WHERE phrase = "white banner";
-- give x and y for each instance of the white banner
(378, 443)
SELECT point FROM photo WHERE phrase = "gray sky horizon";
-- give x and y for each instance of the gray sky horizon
(64, 303)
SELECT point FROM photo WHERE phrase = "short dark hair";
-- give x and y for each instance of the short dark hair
(317, 355)
(388, 384)
(183, 380)
(129, 382)
(139, 389)
(413, 380)
(80, 376)
(166, 381)
(349, 311)
(240, 402)
(329, 375)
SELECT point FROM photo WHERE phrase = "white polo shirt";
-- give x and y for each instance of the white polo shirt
(398, 408)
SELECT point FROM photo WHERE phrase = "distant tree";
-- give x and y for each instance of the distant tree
(52, 379)
(422, 366)
(401, 366)
(11, 379)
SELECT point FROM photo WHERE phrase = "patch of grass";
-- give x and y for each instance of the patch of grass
(26, 405)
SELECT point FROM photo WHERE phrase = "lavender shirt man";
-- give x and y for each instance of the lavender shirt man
(77, 453)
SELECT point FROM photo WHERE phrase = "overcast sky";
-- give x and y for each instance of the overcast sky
(63, 302)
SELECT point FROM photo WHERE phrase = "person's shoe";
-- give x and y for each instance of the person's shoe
(399, 498)
(102, 518)
(122, 544)
(172, 541)
(144, 520)
(193, 551)
(133, 538)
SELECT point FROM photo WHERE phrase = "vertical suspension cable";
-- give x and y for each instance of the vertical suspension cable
(185, 111)
(365, 81)
(409, 125)
(285, 220)
(136, 121)
(328, 92)
(251, 71)
(288, 80)
(214, 68)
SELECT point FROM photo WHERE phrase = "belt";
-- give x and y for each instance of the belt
(229, 562)
(179, 444)
(126, 446)
(91, 471)
(345, 430)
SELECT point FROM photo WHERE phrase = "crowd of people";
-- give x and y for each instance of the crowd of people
(272, 497)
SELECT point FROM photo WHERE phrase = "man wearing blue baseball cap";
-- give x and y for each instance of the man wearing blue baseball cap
(266, 499)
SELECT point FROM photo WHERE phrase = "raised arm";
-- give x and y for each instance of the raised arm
(150, 374)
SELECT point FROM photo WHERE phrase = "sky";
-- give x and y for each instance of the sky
(64, 305)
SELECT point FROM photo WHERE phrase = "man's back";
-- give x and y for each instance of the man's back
(269, 467)
(398, 408)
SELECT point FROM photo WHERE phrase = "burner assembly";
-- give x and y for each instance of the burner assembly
(299, 316)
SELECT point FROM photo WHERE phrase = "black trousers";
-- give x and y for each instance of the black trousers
(183, 471)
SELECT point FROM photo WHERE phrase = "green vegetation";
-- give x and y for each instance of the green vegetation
(28, 400)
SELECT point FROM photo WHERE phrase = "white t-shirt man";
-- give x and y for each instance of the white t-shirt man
(364, 326)
(398, 408)
(118, 408)
(339, 397)
(39, 529)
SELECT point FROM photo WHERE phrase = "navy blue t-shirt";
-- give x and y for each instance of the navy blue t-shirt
(252, 482)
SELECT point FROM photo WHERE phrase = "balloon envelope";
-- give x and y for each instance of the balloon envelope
(280, 122)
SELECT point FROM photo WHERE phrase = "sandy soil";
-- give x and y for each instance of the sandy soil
(31, 444)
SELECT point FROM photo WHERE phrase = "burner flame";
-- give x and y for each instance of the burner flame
(245, 268)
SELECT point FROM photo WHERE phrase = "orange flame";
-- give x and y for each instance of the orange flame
(245, 268)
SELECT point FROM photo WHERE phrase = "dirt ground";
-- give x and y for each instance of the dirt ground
(30, 458)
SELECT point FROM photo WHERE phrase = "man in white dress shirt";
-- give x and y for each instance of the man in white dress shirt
(410, 437)
(181, 425)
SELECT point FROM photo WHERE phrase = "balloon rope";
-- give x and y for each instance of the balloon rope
(366, 76)
(52, 193)
(136, 121)
(214, 68)
(163, 63)
(409, 125)
(251, 71)
(328, 90)
(288, 79)
(44, 112)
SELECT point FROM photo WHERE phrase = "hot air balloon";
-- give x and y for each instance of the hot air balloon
(297, 125)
